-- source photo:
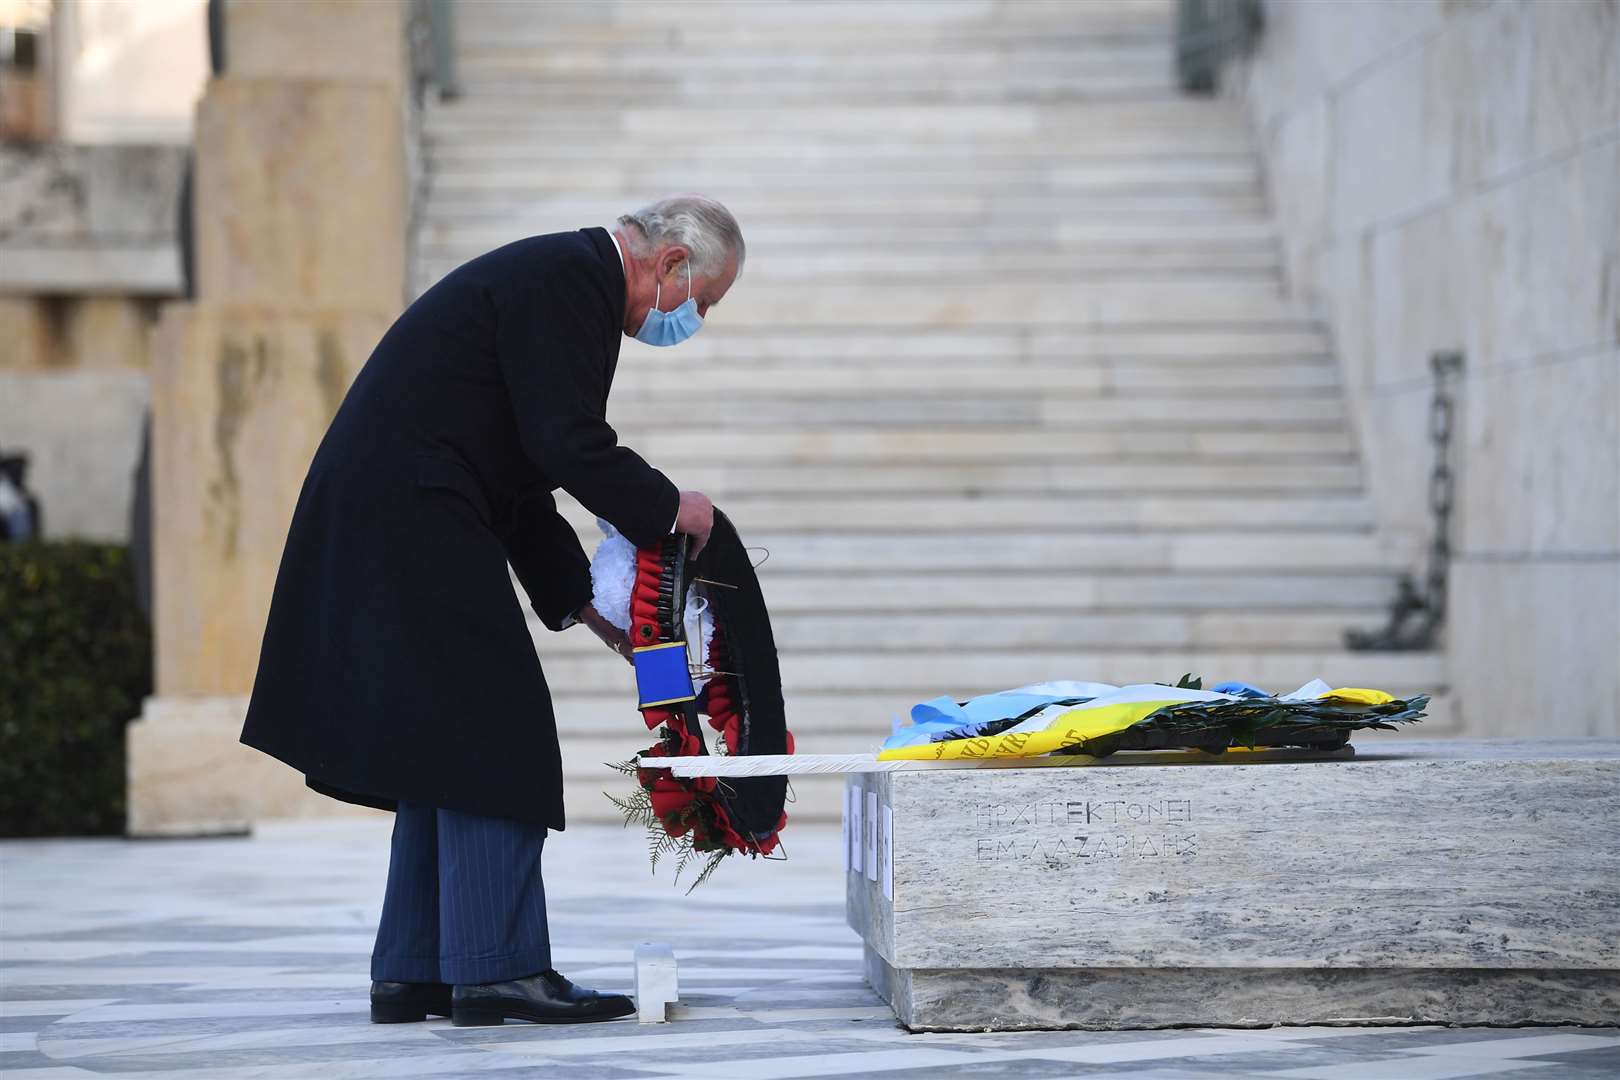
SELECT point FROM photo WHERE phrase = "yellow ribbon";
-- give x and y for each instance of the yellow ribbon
(1358, 696)
(1067, 729)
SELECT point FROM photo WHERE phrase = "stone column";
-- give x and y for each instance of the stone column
(300, 224)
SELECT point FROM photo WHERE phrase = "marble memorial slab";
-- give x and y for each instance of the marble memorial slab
(1466, 882)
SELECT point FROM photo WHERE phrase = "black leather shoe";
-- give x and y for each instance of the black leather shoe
(546, 998)
(403, 1002)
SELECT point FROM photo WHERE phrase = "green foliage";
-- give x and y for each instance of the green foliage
(75, 664)
(1214, 726)
(637, 808)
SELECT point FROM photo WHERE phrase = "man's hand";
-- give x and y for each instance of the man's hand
(611, 635)
(696, 519)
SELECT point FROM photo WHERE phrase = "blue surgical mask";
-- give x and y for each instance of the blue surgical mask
(671, 327)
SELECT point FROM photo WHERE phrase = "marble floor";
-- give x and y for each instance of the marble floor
(247, 958)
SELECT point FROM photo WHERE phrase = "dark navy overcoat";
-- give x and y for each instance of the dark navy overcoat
(396, 663)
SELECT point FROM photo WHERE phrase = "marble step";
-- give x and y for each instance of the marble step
(802, 512)
(1153, 79)
(1105, 262)
(529, 49)
(1082, 379)
(737, 475)
(730, 411)
(893, 121)
(509, 139)
(997, 147)
(463, 171)
(785, 240)
(953, 302)
(1005, 73)
(749, 30)
(772, 150)
(970, 670)
(807, 633)
(982, 591)
(607, 13)
(763, 142)
(1098, 262)
(704, 21)
(460, 172)
(768, 155)
(719, 342)
(1090, 448)
(812, 358)
(1073, 550)
(841, 187)
(976, 51)
(482, 36)
(538, 200)
(833, 62)
(767, 148)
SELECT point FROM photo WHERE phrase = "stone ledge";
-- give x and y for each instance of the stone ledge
(114, 266)
(84, 218)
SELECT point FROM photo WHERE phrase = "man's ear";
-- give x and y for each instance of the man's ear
(670, 261)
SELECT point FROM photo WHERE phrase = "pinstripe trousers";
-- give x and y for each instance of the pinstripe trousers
(464, 902)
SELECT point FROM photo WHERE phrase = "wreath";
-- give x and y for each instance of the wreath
(702, 646)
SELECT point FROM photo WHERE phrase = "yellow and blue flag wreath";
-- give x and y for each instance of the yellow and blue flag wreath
(1099, 719)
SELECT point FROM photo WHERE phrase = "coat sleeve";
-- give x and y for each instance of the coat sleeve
(551, 338)
(544, 551)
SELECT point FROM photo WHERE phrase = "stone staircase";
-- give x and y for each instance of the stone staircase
(1009, 389)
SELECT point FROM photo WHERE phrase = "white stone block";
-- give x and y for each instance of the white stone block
(1466, 883)
(189, 773)
(656, 987)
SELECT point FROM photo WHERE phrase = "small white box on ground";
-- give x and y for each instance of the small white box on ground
(656, 987)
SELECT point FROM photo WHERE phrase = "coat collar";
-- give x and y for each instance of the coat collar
(602, 241)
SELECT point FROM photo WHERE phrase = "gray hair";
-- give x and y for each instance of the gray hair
(697, 223)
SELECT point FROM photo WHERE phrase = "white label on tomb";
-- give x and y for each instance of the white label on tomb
(847, 790)
(888, 851)
(857, 831)
(871, 836)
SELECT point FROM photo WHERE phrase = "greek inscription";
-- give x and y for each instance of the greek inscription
(1062, 849)
(1108, 829)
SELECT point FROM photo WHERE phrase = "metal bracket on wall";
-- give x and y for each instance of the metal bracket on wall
(431, 36)
(1208, 33)
(1417, 614)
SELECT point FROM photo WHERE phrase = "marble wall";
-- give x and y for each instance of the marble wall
(1446, 174)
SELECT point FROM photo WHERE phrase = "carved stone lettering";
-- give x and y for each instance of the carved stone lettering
(1044, 833)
